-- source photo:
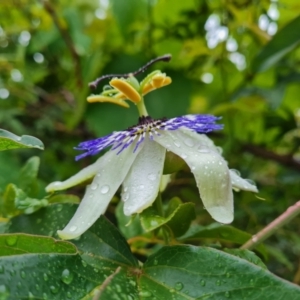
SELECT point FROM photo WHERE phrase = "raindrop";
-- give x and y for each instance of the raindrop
(104, 189)
(54, 289)
(254, 238)
(45, 276)
(228, 275)
(145, 294)
(84, 263)
(178, 286)
(220, 163)
(184, 156)
(141, 187)
(91, 195)
(73, 228)
(218, 282)
(202, 282)
(235, 172)
(11, 240)
(1, 269)
(19, 284)
(98, 175)
(94, 186)
(189, 142)
(67, 276)
(151, 176)
(37, 287)
(155, 262)
(125, 196)
(193, 168)
(16, 75)
(4, 93)
(177, 143)
(125, 189)
(59, 207)
(203, 150)
(69, 295)
(227, 294)
(23, 274)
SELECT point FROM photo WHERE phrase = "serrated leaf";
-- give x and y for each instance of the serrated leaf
(189, 272)
(179, 217)
(220, 232)
(9, 140)
(286, 40)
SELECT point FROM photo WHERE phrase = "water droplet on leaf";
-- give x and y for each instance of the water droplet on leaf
(67, 276)
(178, 286)
(11, 240)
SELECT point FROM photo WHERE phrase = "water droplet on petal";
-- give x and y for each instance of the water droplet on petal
(203, 150)
(94, 186)
(235, 171)
(189, 142)
(177, 143)
(73, 228)
(184, 156)
(104, 189)
(151, 176)
(125, 196)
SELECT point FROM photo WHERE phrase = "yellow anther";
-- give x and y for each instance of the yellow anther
(125, 88)
(167, 81)
(99, 98)
(148, 88)
(158, 80)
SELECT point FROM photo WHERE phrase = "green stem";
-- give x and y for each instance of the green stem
(159, 208)
(142, 108)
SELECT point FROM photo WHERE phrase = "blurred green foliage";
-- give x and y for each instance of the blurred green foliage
(228, 60)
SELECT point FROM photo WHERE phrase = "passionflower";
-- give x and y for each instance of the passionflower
(136, 159)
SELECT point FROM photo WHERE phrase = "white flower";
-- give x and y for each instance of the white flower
(136, 161)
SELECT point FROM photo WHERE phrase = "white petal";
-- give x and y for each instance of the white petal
(210, 171)
(79, 177)
(242, 184)
(111, 173)
(236, 180)
(141, 185)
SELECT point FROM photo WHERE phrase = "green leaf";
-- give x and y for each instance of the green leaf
(286, 40)
(16, 244)
(101, 237)
(64, 198)
(222, 233)
(129, 226)
(189, 272)
(16, 200)
(104, 265)
(178, 217)
(9, 140)
(248, 255)
(28, 175)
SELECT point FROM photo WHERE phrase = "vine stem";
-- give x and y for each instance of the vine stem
(279, 222)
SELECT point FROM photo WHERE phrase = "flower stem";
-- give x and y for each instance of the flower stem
(159, 208)
(142, 108)
(283, 219)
